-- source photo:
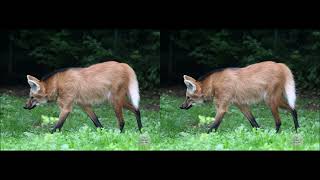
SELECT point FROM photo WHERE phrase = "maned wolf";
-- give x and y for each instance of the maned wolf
(108, 81)
(267, 81)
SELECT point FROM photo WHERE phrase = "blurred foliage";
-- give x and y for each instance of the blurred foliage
(210, 48)
(299, 49)
(65, 48)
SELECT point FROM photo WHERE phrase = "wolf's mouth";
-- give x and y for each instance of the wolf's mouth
(29, 107)
(187, 107)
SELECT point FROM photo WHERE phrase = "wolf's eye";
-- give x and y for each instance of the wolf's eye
(188, 97)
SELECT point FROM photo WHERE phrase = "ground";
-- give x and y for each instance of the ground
(165, 128)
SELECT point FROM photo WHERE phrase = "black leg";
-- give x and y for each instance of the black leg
(95, 120)
(119, 115)
(247, 113)
(121, 124)
(254, 123)
(295, 119)
(92, 115)
(252, 120)
(138, 117)
(278, 124)
(218, 119)
(214, 126)
(63, 116)
(284, 105)
(275, 113)
(130, 107)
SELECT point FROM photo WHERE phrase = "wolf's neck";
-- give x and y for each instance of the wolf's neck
(51, 88)
(207, 88)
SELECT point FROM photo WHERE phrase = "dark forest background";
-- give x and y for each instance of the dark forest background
(178, 52)
(40, 51)
(198, 51)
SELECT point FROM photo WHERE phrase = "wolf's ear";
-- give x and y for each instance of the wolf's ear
(191, 87)
(185, 77)
(34, 83)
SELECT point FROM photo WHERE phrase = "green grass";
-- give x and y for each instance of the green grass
(30, 129)
(235, 131)
(167, 129)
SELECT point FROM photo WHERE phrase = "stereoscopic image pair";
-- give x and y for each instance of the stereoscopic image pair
(146, 89)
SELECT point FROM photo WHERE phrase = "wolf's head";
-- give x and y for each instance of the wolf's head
(193, 94)
(37, 93)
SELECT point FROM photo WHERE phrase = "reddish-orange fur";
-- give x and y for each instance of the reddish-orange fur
(265, 81)
(108, 81)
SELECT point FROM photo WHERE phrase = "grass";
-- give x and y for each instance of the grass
(167, 129)
(29, 130)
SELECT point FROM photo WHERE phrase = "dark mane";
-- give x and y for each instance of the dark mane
(47, 76)
(214, 71)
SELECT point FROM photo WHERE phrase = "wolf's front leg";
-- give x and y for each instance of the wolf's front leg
(62, 117)
(65, 109)
(221, 110)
